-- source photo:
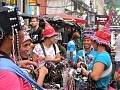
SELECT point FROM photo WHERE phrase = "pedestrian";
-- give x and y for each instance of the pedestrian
(36, 31)
(24, 52)
(72, 47)
(100, 68)
(11, 76)
(61, 48)
(87, 53)
(48, 50)
(117, 60)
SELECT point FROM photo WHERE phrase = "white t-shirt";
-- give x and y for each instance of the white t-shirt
(49, 51)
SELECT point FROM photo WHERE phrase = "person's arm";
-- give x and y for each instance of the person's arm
(27, 64)
(79, 64)
(57, 56)
(42, 73)
(117, 76)
(56, 59)
(97, 71)
(63, 52)
(71, 55)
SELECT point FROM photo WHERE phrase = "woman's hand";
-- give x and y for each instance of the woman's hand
(117, 77)
(42, 73)
(84, 70)
(48, 59)
(44, 70)
(79, 64)
(27, 64)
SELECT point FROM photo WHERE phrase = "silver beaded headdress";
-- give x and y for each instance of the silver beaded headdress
(10, 25)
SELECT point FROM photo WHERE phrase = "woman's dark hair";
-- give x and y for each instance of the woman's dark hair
(75, 35)
(96, 28)
(108, 49)
(1, 40)
(36, 17)
(60, 42)
(45, 39)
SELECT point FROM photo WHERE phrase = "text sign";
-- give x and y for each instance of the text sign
(101, 19)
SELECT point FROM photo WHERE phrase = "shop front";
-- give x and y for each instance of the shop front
(34, 7)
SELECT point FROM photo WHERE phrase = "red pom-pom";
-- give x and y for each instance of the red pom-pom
(118, 71)
(39, 59)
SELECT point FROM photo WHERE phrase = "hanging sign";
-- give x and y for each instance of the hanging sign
(101, 19)
(32, 2)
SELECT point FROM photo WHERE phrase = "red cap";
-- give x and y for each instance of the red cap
(103, 36)
(26, 37)
(48, 31)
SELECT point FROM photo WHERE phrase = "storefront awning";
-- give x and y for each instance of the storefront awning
(68, 18)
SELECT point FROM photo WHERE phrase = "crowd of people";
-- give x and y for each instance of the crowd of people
(23, 50)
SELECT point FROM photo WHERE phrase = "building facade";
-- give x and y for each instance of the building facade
(42, 4)
(34, 7)
(70, 7)
(99, 6)
(55, 6)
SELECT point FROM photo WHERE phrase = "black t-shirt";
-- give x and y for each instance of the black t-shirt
(36, 35)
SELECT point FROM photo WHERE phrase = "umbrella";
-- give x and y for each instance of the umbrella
(68, 18)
